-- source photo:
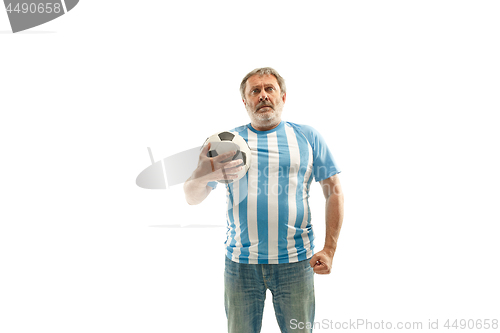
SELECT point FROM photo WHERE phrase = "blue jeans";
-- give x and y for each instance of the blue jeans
(292, 287)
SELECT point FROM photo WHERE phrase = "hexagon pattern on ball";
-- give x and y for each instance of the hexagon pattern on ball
(223, 142)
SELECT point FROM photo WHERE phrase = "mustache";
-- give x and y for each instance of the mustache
(264, 103)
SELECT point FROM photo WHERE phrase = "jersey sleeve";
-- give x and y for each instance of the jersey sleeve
(324, 165)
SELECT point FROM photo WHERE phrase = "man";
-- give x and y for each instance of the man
(270, 238)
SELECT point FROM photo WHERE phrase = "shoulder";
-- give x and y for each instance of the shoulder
(311, 134)
(239, 129)
(305, 129)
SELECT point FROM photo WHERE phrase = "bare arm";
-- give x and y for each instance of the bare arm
(334, 215)
(196, 191)
(334, 211)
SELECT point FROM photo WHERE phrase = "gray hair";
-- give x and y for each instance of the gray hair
(260, 72)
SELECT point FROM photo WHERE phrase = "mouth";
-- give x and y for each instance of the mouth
(263, 107)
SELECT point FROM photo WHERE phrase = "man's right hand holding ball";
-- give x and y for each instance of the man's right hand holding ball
(210, 169)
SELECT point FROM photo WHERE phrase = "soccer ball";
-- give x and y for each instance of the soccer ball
(223, 142)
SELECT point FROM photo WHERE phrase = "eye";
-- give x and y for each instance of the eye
(270, 89)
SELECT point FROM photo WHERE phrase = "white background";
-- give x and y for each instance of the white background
(405, 93)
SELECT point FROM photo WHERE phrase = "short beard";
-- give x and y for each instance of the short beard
(266, 119)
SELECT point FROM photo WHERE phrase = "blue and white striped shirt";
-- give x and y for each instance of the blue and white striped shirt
(268, 215)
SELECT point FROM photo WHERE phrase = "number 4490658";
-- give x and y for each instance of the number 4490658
(32, 8)
(472, 324)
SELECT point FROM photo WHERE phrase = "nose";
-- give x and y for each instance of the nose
(263, 97)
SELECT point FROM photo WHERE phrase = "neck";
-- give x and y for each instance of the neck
(265, 127)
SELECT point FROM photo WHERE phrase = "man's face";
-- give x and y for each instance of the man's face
(263, 100)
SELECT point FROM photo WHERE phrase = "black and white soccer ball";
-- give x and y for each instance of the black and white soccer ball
(223, 142)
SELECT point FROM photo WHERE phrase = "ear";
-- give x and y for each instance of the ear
(284, 97)
(244, 102)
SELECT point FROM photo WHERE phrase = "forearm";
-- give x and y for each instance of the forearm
(195, 191)
(334, 212)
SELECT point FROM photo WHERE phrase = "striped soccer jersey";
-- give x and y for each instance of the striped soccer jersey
(268, 215)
